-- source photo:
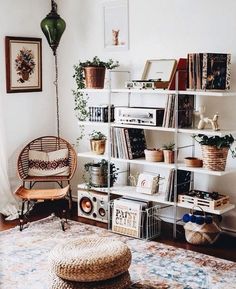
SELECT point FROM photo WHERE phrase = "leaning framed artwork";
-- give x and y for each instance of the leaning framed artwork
(116, 25)
(23, 64)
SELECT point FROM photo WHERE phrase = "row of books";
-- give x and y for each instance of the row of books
(127, 143)
(100, 113)
(208, 71)
(185, 111)
(183, 184)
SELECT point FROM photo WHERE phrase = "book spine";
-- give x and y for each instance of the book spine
(228, 72)
(204, 71)
(130, 155)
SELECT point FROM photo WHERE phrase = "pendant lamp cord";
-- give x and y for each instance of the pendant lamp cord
(57, 98)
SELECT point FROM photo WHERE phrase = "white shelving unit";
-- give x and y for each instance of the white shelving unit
(130, 191)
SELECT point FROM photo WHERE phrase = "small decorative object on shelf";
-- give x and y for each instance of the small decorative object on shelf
(148, 183)
(169, 153)
(200, 229)
(215, 150)
(209, 200)
(206, 120)
(98, 174)
(100, 113)
(154, 155)
(193, 162)
(97, 142)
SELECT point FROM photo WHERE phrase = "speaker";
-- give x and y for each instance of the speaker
(93, 205)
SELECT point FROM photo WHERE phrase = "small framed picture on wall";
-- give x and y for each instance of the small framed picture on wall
(23, 64)
(116, 25)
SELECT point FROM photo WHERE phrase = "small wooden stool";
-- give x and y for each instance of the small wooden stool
(37, 195)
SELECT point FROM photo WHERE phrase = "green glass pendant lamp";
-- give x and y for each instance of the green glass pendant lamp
(53, 27)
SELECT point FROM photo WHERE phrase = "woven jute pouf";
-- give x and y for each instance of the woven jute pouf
(90, 259)
(120, 282)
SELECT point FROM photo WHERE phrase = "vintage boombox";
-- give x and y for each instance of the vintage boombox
(136, 115)
(93, 205)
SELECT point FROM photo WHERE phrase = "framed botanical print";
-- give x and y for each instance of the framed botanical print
(23, 64)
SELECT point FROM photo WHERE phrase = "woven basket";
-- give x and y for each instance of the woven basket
(201, 234)
(204, 234)
(213, 158)
(94, 77)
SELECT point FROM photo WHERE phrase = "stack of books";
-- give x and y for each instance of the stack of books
(183, 184)
(185, 111)
(129, 216)
(127, 143)
(209, 71)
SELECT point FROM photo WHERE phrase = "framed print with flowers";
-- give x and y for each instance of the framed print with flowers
(23, 64)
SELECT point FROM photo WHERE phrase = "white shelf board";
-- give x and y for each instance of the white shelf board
(143, 91)
(94, 90)
(142, 161)
(93, 123)
(208, 93)
(221, 132)
(92, 155)
(147, 127)
(182, 166)
(219, 211)
(162, 91)
(130, 191)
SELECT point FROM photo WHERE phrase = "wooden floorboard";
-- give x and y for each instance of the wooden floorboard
(224, 247)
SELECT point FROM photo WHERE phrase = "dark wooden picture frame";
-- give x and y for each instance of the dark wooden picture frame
(23, 64)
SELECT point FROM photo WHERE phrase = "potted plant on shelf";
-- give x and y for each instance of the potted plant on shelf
(169, 153)
(97, 142)
(215, 150)
(154, 155)
(98, 174)
(81, 75)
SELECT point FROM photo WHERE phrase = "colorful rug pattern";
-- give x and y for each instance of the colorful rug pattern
(24, 265)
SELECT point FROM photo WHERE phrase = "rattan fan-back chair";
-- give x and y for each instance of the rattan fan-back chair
(26, 193)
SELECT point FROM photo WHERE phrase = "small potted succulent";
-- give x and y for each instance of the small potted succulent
(154, 155)
(98, 174)
(97, 142)
(169, 153)
(215, 150)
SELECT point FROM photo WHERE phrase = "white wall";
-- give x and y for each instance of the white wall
(26, 115)
(158, 29)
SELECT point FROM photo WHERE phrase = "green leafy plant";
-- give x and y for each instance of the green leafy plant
(81, 99)
(217, 141)
(104, 165)
(169, 146)
(97, 135)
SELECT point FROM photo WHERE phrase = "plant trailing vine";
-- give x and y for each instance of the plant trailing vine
(81, 98)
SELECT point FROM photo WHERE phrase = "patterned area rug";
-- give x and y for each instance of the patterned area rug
(24, 265)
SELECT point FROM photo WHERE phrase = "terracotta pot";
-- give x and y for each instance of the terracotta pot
(94, 77)
(154, 155)
(169, 156)
(98, 146)
(193, 162)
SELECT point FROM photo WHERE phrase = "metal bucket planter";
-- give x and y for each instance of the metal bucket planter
(98, 176)
(98, 146)
(94, 76)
